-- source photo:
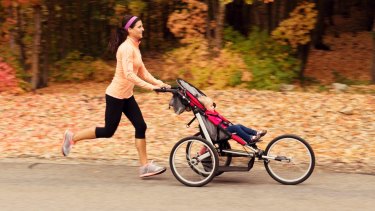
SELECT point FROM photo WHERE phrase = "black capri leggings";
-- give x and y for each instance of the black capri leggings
(113, 112)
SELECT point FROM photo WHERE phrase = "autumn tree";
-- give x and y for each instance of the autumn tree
(219, 7)
(16, 18)
(296, 31)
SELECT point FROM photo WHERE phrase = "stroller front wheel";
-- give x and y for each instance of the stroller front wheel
(293, 159)
(191, 165)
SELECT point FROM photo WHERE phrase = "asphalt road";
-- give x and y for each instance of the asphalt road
(48, 186)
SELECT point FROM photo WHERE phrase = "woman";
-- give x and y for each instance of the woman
(130, 71)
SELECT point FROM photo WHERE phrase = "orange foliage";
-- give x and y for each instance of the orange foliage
(296, 30)
(8, 79)
(190, 22)
(4, 29)
(8, 3)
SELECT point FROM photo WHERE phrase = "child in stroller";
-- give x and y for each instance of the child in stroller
(247, 134)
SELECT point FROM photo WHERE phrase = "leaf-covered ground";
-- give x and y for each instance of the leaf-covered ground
(340, 127)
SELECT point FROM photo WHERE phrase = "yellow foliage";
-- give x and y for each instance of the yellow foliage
(296, 30)
(194, 64)
(137, 7)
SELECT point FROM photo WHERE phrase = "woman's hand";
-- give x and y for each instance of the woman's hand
(156, 87)
(166, 86)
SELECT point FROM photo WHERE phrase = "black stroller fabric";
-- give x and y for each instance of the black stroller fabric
(176, 103)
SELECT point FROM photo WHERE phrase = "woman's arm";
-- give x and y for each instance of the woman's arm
(146, 75)
(127, 62)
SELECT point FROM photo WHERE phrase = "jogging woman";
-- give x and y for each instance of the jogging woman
(130, 71)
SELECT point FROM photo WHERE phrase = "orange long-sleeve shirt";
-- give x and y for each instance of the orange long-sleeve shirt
(130, 71)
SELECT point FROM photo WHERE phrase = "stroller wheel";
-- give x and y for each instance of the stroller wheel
(194, 161)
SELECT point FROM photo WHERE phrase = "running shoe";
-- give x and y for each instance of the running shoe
(67, 143)
(150, 169)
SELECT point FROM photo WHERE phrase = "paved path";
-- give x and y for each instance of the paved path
(51, 186)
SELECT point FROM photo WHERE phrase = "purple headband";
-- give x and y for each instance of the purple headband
(130, 22)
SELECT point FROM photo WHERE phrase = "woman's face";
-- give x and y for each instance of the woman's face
(137, 31)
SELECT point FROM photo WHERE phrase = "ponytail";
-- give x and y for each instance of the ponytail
(117, 38)
(121, 33)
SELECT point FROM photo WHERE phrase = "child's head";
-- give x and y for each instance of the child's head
(207, 102)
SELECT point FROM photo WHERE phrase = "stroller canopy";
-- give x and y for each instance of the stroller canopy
(186, 97)
(192, 89)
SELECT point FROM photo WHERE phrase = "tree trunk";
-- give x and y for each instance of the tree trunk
(318, 32)
(148, 25)
(373, 52)
(62, 43)
(289, 6)
(12, 33)
(269, 18)
(47, 44)
(220, 26)
(211, 32)
(277, 13)
(208, 23)
(35, 80)
(303, 53)
(370, 12)
(257, 16)
(344, 8)
(19, 38)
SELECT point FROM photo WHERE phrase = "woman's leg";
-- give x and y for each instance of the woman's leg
(134, 114)
(113, 112)
(132, 111)
(88, 133)
(140, 144)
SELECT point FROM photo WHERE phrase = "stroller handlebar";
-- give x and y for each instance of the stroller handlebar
(163, 89)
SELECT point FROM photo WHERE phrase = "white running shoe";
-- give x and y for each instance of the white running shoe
(150, 169)
(67, 143)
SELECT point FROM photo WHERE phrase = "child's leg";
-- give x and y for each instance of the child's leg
(241, 133)
(248, 130)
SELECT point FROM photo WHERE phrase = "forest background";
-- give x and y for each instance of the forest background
(288, 66)
(245, 43)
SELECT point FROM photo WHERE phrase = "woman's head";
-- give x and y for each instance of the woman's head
(130, 26)
(133, 26)
(207, 102)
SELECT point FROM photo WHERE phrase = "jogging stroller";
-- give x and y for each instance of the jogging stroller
(194, 160)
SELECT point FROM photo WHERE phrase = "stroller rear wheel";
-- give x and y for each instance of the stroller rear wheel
(194, 161)
(225, 159)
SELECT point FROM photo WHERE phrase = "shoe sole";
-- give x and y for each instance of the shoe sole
(152, 174)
